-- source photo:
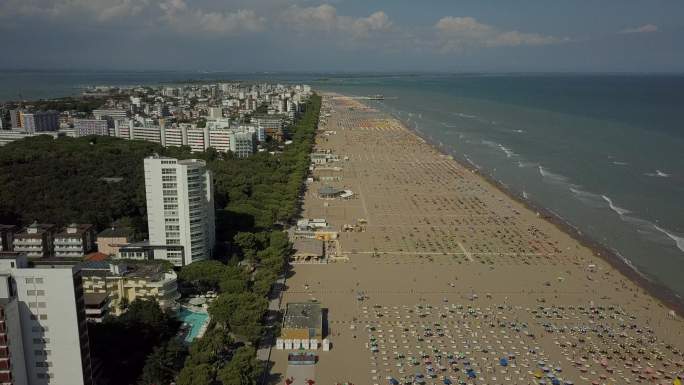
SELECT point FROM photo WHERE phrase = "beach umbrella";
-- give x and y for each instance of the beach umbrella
(447, 381)
(555, 381)
(503, 362)
(393, 381)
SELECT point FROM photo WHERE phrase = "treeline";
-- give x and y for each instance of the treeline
(261, 192)
(86, 180)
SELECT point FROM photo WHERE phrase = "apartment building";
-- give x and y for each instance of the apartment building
(85, 127)
(44, 336)
(75, 241)
(7, 237)
(110, 240)
(36, 240)
(180, 208)
(110, 285)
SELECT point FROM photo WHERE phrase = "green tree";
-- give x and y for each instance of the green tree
(243, 368)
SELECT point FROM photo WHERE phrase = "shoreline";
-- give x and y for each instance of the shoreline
(663, 294)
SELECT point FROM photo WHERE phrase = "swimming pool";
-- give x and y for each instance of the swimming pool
(195, 319)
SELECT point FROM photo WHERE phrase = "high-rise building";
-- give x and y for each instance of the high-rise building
(180, 208)
(44, 336)
(243, 144)
(40, 121)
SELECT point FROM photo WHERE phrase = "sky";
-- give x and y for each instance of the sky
(344, 35)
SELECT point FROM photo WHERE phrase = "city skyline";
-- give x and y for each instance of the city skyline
(351, 36)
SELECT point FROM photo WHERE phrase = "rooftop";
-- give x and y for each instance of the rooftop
(116, 232)
(303, 315)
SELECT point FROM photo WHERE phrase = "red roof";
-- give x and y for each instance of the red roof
(95, 256)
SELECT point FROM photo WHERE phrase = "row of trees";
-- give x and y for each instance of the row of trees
(260, 193)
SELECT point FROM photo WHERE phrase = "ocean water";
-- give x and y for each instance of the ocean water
(603, 152)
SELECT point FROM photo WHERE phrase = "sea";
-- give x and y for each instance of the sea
(603, 152)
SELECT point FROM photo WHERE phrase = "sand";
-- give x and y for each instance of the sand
(456, 275)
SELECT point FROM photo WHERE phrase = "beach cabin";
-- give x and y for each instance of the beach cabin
(302, 320)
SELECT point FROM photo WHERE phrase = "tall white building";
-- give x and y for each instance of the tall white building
(180, 208)
(44, 326)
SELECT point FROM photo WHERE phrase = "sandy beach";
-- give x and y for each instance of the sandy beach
(451, 280)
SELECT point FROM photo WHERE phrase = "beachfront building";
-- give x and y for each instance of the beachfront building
(328, 192)
(112, 285)
(36, 240)
(272, 124)
(302, 321)
(180, 209)
(110, 240)
(307, 250)
(43, 332)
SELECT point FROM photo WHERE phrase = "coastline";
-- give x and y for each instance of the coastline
(666, 296)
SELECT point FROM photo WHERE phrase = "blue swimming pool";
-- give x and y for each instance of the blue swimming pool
(195, 319)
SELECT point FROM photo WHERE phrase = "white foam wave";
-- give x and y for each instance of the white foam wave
(519, 131)
(522, 164)
(679, 241)
(509, 153)
(557, 178)
(462, 115)
(619, 210)
(449, 125)
(617, 163)
(658, 174)
(588, 198)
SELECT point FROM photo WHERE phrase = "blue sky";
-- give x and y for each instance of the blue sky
(345, 35)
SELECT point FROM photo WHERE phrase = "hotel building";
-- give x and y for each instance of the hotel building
(180, 208)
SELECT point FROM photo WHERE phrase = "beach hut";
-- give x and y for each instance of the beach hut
(288, 344)
(326, 345)
(280, 344)
(313, 344)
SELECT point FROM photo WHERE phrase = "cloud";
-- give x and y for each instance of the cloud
(325, 18)
(165, 15)
(646, 28)
(181, 18)
(458, 33)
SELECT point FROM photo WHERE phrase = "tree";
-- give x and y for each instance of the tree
(163, 364)
(243, 368)
(202, 374)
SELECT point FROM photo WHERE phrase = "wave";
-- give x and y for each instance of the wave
(679, 241)
(519, 131)
(522, 164)
(658, 174)
(509, 153)
(449, 125)
(462, 115)
(471, 161)
(557, 178)
(619, 210)
(588, 198)
(617, 163)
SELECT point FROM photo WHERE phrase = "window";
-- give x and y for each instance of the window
(30, 292)
(39, 280)
(29, 280)
(43, 317)
(40, 292)
(41, 304)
